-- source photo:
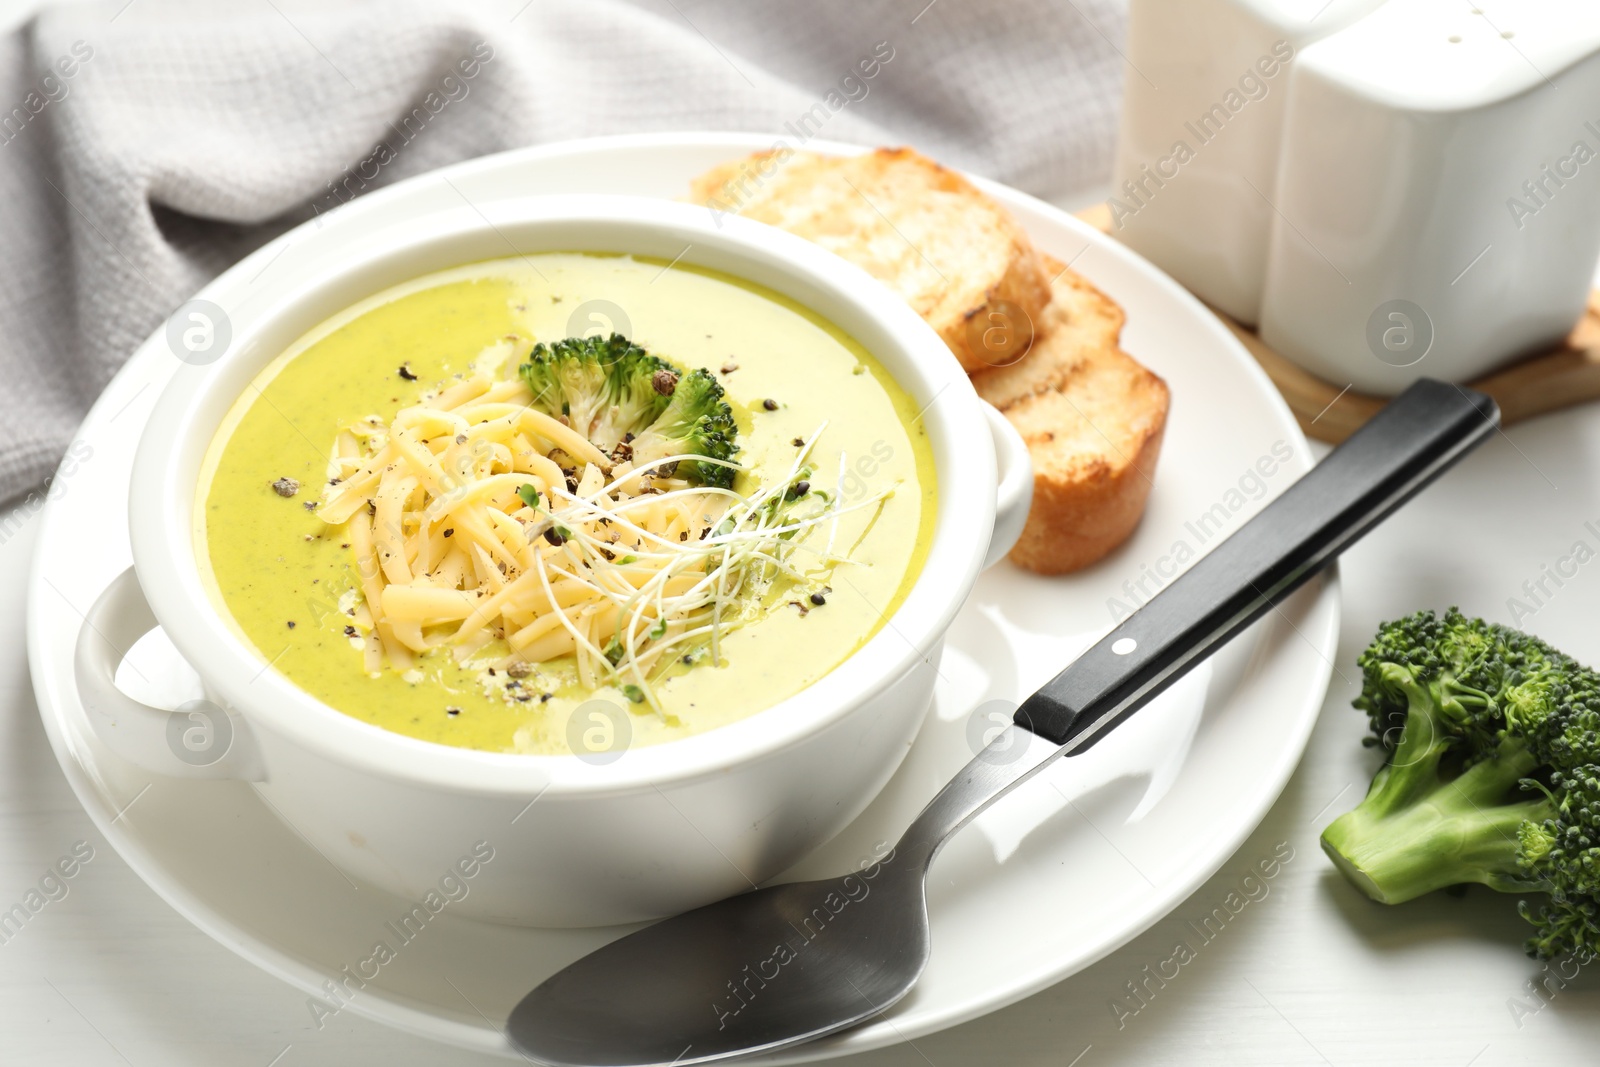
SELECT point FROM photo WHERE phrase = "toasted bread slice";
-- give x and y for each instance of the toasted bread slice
(955, 255)
(1079, 322)
(1093, 418)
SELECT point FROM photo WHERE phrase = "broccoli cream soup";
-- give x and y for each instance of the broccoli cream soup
(466, 512)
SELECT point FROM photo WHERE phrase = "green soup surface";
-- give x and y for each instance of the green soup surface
(288, 582)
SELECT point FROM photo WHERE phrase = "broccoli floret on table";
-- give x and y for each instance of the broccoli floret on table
(1493, 774)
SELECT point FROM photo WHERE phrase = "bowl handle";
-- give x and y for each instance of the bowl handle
(195, 740)
(1014, 488)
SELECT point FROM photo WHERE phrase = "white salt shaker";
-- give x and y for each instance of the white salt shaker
(1413, 192)
(1204, 98)
(1438, 191)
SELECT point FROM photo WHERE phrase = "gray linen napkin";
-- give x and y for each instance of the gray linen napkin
(147, 144)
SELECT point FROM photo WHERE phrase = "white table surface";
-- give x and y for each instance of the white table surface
(1312, 973)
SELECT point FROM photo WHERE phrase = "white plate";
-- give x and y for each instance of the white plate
(1062, 872)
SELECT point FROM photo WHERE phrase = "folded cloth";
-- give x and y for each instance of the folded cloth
(147, 144)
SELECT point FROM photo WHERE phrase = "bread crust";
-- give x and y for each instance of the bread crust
(957, 257)
(1094, 420)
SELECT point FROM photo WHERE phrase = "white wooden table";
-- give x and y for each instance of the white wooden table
(1310, 973)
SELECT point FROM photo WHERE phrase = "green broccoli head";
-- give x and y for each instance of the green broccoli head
(1434, 682)
(1561, 854)
(573, 377)
(641, 388)
(1493, 757)
(1562, 721)
(616, 393)
(697, 422)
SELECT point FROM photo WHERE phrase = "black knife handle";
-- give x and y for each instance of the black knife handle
(1418, 436)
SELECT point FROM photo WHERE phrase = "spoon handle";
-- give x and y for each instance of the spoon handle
(1418, 436)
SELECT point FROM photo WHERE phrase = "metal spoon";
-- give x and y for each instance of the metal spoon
(791, 963)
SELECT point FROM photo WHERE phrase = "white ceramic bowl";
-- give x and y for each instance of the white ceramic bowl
(662, 828)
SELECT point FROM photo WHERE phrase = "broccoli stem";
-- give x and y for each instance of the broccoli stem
(1415, 833)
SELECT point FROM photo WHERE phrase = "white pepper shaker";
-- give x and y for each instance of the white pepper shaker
(1437, 209)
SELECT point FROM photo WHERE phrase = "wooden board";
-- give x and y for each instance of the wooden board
(1568, 376)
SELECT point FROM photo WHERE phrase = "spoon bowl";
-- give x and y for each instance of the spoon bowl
(754, 973)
